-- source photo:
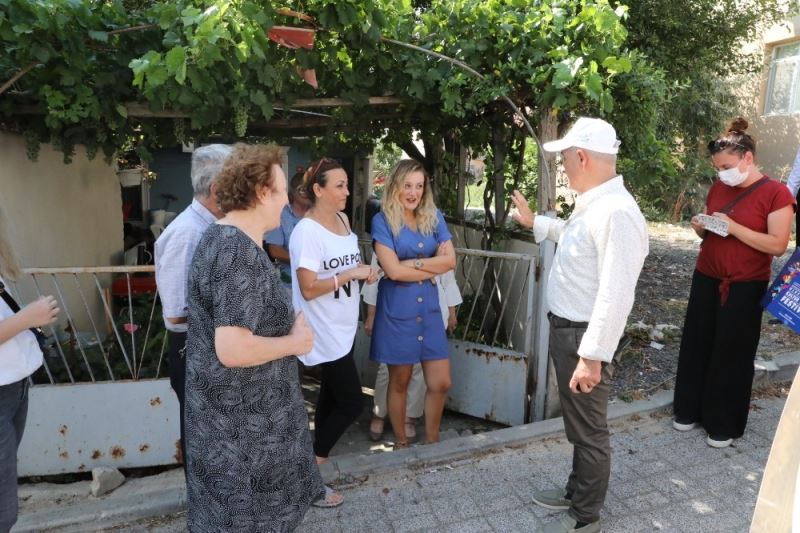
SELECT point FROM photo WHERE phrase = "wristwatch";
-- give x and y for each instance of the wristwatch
(418, 263)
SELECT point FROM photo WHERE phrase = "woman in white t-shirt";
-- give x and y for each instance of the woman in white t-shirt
(326, 268)
(20, 356)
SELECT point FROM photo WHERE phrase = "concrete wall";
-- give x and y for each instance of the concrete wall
(59, 215)
(778, 136)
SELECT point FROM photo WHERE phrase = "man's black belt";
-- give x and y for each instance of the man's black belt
(559, 322)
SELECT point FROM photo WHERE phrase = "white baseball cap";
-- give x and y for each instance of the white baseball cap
(589, 133)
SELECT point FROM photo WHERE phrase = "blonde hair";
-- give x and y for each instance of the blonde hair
(392, 207)
(9, 265)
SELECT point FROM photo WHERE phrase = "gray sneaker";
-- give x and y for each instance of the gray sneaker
(552, 499)
(566, 524)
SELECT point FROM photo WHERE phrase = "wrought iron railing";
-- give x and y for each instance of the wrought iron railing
(109, 328)
(498, 291)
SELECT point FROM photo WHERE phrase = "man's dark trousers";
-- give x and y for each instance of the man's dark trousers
(177, 379)
(585, 423)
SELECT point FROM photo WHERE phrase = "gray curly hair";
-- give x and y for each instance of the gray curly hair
(207, 161)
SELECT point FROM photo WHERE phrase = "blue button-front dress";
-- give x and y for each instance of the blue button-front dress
(408, 324)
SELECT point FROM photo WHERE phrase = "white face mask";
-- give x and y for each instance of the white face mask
(733, 177)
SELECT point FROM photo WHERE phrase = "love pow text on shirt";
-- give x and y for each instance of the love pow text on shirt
(335, 263)
(341, 261)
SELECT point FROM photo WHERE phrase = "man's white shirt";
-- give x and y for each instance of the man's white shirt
(601, 250)
(174, 250)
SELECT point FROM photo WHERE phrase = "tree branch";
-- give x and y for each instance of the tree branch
(21, 72)
(517, 174)
(133, 28)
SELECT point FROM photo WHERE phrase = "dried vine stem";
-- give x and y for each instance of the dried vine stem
(21, 72)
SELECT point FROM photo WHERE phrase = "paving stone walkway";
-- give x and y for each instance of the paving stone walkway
(661, 480)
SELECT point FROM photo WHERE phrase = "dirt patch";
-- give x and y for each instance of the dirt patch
(661, 298)
(772, 390)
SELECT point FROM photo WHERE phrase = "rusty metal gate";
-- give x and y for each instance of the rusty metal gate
(493, 359)
(102, 398)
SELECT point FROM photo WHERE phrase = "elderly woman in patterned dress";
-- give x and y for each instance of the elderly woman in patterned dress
(250, 461)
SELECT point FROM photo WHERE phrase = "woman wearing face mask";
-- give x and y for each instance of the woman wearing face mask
(723, 318)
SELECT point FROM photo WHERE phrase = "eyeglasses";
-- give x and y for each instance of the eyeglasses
(719, 145)
(312, 173)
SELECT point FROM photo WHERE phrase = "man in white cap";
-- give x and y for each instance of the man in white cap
(590, 291)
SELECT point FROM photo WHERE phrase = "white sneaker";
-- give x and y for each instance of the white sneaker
(718, 443)
(683, 426)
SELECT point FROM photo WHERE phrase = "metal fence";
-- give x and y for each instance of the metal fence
(110, 343)
(110, 327)
(498, 289)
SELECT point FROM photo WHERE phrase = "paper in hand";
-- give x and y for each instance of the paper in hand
(714, 224)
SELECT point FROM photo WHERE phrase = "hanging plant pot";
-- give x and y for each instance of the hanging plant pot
(130, 177)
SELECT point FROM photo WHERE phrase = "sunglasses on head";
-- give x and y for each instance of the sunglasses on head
(723, 144)
(312, 173)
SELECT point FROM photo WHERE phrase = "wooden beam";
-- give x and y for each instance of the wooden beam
(300, 122)
(462, 181)
(139, 110)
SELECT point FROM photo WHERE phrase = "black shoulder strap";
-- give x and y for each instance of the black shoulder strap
(344, 223)
(729, 207)
(12, 303)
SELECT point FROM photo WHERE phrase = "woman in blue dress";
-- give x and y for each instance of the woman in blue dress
(413, 245)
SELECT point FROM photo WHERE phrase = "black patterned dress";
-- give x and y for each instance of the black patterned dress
(250, 461)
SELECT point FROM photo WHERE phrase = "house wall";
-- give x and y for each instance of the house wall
(778, 136)
(60, 215)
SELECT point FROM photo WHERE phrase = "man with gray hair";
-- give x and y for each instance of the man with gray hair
(174, 250)
(590, 291)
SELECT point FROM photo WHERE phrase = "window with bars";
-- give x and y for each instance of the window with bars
(783, 87)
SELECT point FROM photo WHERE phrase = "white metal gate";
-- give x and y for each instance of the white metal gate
(102, 398)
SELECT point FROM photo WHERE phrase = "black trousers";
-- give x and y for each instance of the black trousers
(715, 365)
(177, 379)
(339, 404)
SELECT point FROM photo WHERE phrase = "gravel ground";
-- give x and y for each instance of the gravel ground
(661, 298)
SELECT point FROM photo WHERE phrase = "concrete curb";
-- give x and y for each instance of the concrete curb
(105, 512)
(782, 368)
(342, 467)
(110, 510)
